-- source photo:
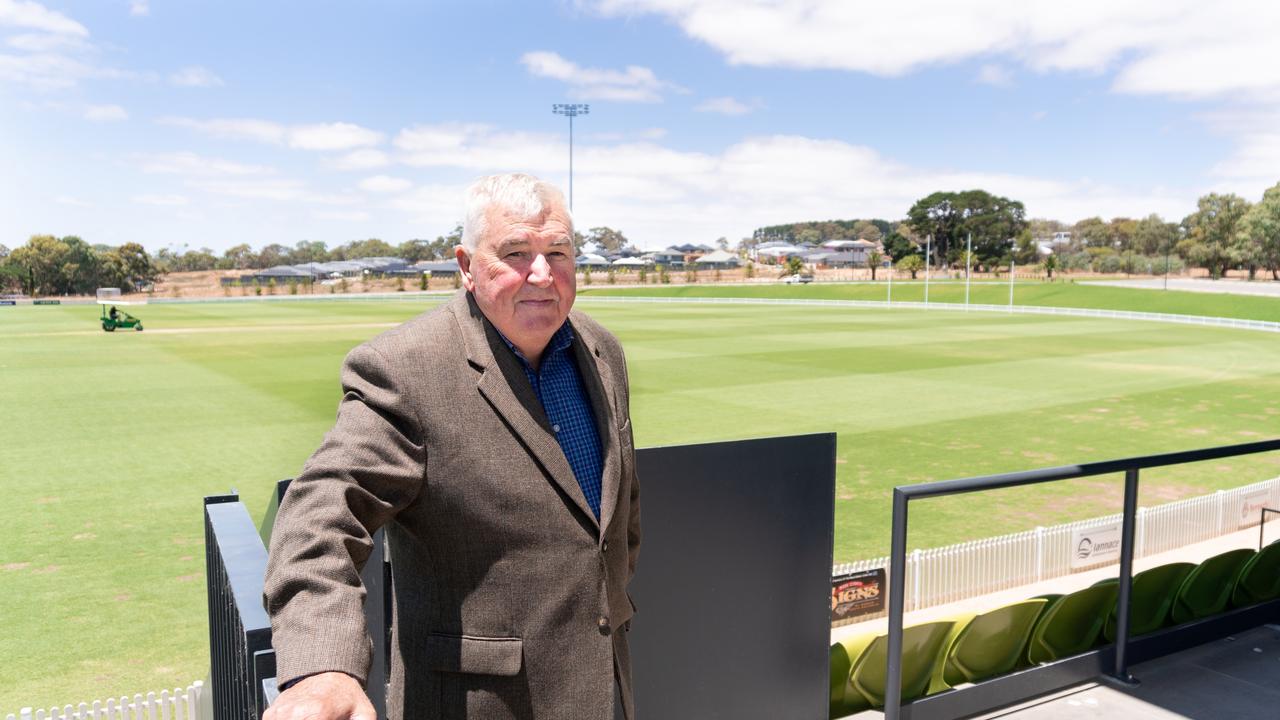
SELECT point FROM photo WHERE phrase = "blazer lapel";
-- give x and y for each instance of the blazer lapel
(503, 383)
(598, 379)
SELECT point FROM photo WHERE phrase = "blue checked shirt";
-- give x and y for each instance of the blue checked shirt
(558, 384)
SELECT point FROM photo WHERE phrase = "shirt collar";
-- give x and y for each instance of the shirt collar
(559, 342)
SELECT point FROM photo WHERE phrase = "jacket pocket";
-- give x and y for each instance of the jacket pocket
(475, 655)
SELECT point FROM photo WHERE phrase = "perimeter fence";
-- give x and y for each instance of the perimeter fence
(956, 572)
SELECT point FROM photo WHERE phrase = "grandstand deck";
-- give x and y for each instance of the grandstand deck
(1237, 678)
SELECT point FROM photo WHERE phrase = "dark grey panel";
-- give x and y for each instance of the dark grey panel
(733, 589)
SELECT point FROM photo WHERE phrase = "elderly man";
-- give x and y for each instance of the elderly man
(492, 438)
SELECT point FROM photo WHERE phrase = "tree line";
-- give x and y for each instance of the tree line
(1225, 231)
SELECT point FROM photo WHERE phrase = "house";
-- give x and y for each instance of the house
(718, 260)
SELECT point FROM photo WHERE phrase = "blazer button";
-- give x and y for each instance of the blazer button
(604, 547)
(604, 625)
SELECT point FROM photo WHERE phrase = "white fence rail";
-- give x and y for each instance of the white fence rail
(941, 575)
(176, 704)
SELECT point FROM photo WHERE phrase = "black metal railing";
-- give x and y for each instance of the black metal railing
(1262, 525)
(240, 651)
(1115, 663)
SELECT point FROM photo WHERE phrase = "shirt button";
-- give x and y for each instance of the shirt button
(556, 428)
(604, 625)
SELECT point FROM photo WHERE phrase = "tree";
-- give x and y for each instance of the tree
(607, 238)
(308, 251)
(416, 250)
(1153, 236)
(41, 261)
(874, 258)
(912, 264)
(272, 255)
(373, 247)
(950, 217)
(138, 270)
(866, 230)
(4, 251)
(722, 243)
(237, 257)
(1092, 232)
(794, 266)
(898, 246)
(1212, 231)
(81, 267)
(1025, 249)
(1260, 232)
(1050, 264)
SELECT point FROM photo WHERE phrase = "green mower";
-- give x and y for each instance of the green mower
(115, 318)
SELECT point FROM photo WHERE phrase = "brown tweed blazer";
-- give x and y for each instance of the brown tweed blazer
(510, 598)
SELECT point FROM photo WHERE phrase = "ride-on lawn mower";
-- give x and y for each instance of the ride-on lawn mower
(114, 318)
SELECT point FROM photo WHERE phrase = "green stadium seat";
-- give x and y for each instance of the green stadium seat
(988, 645)
(1071, 624)
(844, 700)
(1150, 599)
(922, 647)
(1207, 589)
(1259, 578)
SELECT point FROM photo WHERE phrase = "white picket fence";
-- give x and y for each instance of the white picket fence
(176, 704)
(947, 574)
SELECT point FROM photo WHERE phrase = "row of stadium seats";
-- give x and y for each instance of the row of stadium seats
(970, 648)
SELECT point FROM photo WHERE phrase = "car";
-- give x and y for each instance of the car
(800, 278)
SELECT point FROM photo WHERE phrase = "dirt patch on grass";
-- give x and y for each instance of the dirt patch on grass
(84, 536)
(15, 566)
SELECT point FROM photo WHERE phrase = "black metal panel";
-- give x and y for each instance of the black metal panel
(733, 588)
(235, 563)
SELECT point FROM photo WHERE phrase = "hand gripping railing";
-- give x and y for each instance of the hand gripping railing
(902, 496)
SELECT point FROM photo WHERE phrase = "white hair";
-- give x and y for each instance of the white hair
(519, 195)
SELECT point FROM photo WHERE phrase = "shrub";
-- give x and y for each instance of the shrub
(343, 285)
(586, 274)
(457, 280)
(609, 278)
(293, 287)
(424, 281)
(749, 271)
(400, 284)
(643, 275)
(271, 286)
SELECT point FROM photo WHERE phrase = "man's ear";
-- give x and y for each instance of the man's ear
(464, 268)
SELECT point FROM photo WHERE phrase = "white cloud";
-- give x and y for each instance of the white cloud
(322, 136)
(195, 76)
(351, 216)
(139, 8)
(634, 84)
(724, 106)
(46, 42)
(278, 189)
(385, 184)
(105, 113)
(232, 128)
(332, 136)
(33, 15)
(161, 200)
(660, 195)
(1176, 47)
(360, 160)
(71, 201)
(53, 71)
(192, 165)
(997, 75)
(655, 133)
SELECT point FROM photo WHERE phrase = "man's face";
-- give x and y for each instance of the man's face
(523, 276)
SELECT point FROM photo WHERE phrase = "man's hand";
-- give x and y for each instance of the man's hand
(325, 696)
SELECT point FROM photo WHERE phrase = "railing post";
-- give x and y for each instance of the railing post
(1221, 495)
(897, 596)
(1039, 553)
(1121, 672)
(1140, 549)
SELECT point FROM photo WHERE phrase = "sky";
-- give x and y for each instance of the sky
(209, 123)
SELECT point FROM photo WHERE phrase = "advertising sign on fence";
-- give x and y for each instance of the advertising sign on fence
(46, 302)
(1095, 545)
(8, 302)
(857, 594)
(1251, 507)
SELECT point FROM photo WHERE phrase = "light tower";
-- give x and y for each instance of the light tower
(571, 111)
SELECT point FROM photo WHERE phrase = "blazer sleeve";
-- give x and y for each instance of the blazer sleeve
(368, 468)
(633, 522)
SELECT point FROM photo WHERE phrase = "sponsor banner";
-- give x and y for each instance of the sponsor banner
(46, 302)
(1250, 507)
(8, 302)
(857, 594)
(1095, 545)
